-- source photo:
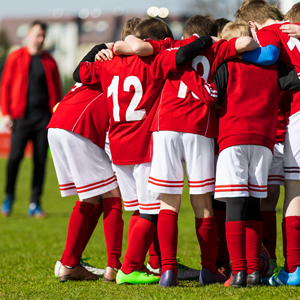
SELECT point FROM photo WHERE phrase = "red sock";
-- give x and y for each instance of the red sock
(292, 233)
(254, 236)
(207, 234)
(235, 236)
(154, 253)
(223, 254)
(167, 230)
(113, 230)
(270, 231)
(132, 221)
(141, 234)
(98, 209)
(77, 231)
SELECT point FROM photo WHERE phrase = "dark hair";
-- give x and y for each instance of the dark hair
(257, 11)
(202, 25)
(129, 27)
(221, 22)
(293, 15)
(42, 24)
(153, 28)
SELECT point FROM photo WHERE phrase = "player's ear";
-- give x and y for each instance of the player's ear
(252, 26)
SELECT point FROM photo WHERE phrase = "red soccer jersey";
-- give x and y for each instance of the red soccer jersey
(132, 86)
(167, 43)
(283, 115)
(289, 48)
(180, 109)
(83, 111)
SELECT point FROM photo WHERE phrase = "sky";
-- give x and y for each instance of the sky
(20, 8)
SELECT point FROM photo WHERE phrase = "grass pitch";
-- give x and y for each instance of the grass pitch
(30, 248)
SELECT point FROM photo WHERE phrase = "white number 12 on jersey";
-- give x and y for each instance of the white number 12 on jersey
(131, 113)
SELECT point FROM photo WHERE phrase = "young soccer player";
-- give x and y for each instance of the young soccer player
(132, 86)
(265, 27)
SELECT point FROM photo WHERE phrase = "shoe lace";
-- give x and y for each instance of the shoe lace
(277, 271)
(273, 262)
(83, 262)
(180, 266)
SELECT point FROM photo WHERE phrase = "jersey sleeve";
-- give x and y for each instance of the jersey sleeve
(159, 45)
(165, 63)
(267, 36)
(181, 43)
(89, 72)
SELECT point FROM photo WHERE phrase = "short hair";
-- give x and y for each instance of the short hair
(221, 22)
(293, 15)
(129, 27)
(278, 12)
(202, 25)
(233, 29)
(255, 10)
(153, 28)
(42, 24)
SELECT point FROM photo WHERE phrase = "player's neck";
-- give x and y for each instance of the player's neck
(268, 22)
(34, 50)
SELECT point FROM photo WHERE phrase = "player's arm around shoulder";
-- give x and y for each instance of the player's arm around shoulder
(245, 43)
(292, 30)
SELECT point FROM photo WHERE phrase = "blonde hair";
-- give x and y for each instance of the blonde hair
(129, 27)
(233, 29)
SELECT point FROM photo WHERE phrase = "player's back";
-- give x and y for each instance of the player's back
(132, 86)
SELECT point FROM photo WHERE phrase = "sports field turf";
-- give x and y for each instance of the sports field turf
(30, 248)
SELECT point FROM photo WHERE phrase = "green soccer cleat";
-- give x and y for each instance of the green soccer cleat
(136, 277)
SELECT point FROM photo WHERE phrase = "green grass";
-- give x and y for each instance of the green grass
(30, 248)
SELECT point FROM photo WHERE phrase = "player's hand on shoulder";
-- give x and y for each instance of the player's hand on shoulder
(7, 120)
(291, 29)
(215, 39)
(103, 55)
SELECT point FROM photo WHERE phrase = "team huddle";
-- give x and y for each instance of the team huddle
(225, 110)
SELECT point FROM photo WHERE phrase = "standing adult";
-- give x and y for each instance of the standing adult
(30, 88)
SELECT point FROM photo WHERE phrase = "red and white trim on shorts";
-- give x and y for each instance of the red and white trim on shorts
(231, 188)
(166, 183)
(275, 178)
(67, 186)
(96, 185)
(150, 206)
(292, 170)
(201, 183)
(129, 204)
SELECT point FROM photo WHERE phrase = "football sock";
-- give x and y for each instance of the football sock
(167, 230)
(235, 236)
(141, 234)
(98, 209)
(254, 236)
(223, 255)
(291, 226)
(132, 221)
(207, 234)
(77, 231)
(154, 253)
(113, 230)
(270, 231)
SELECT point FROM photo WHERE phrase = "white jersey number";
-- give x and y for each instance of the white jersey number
(206, 69)
(131, 113)
(292, 43)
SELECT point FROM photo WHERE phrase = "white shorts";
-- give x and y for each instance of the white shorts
(81, 167)
(170, 150)
(292, 149)
(108, 152)
(242, 171)
(133, 180)
(276, 173)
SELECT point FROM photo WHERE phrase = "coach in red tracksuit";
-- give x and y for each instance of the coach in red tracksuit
(30, 88)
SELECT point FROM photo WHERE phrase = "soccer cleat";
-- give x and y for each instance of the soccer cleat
(35, 211)
(254, 279)
(168, 279)
(110, 274)
(206, 277)
(76, 273)
(6, 207)
(186, 273)
(135, 277)
(272, 267)
(237, 281)
(154, 271)
(281, 277)
(90, 268)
